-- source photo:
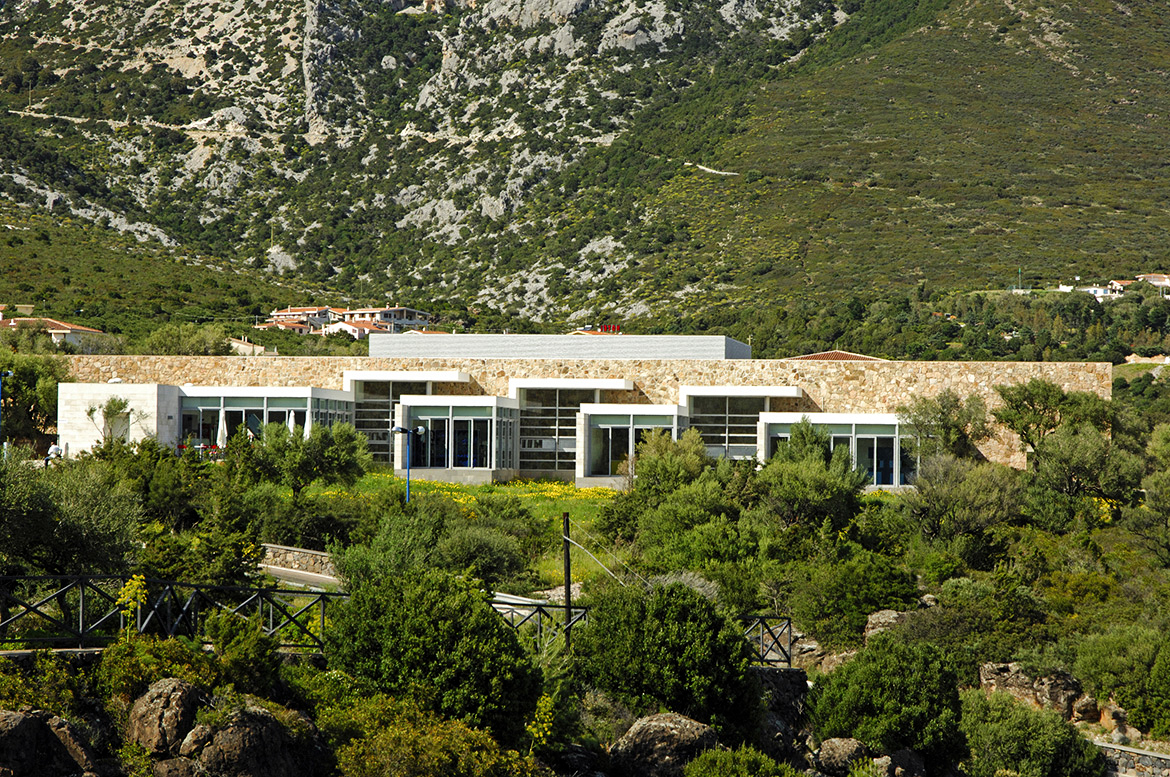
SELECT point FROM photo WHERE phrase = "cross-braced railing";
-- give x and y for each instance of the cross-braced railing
(83, 611)
(542, 622)
(770, 637)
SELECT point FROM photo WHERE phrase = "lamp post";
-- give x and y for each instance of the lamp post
(3, 375)
(420, 431)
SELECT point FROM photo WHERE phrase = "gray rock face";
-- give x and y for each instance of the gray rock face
(163, 716)
(883, 620)
(1057, 691)
(1085, 709)
(37, 744)
(836, 755)
(661, 746)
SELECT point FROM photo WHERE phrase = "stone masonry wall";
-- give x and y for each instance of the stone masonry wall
(835, 387)
(300, 559)
(1127, 761)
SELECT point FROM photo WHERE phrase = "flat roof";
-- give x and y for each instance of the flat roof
(403, 376)
(605, 384)
(492, 346)
(789, 392)
(830, 418)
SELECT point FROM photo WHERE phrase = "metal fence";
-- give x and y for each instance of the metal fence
(83, 611)
(79, 611)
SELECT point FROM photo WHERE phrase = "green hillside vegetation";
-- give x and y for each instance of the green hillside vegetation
(1051, 567)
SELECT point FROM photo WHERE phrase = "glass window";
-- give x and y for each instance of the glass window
(884, 462)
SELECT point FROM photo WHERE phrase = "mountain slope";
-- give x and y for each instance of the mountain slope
(572, 160)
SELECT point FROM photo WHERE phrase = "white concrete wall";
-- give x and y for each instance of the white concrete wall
(153, 410)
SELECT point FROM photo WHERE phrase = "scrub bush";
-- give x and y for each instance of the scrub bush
(430, 631)
(892, 696)
(669, 648)
(1006, 736)
(833, 601)
(744, 762)
(247, 656)
(385, 737)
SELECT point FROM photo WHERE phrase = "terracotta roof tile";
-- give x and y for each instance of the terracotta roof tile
(836, 356)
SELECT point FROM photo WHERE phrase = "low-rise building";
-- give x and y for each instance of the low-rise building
(496, 407)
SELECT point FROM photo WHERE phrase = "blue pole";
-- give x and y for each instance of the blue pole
(408, 436)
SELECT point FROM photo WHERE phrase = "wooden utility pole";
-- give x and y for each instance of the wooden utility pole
(568, 582)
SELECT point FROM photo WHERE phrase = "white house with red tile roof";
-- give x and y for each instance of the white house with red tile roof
(61, 331)
(391, 319)
(358, 329)
(1161, 280)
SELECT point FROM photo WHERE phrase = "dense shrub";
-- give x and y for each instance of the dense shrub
(480, 553)
(431, 631)
(804, 484)
(744, 762)
(1117, 664)
(669, 647)
(384, 737)
(51, 685)
(1005, 736)
(130, 666)
(959, 502)
(247, 656)
(892, 696)
(833, 601)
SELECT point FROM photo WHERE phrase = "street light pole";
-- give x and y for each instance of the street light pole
(409, 433)
(3, 375)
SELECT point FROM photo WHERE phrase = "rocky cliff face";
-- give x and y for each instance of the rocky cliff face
(401, 142)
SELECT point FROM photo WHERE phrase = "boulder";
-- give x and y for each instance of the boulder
(195, 741)
(176, 767)
(1057, 691)
(256, 744)
(883, 620)
(37, 744)
(1085, 709)
(74, 744)
(835, 756)
(660, 746)
(163, 716)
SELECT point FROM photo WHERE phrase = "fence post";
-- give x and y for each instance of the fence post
(81, 617)
(568, 583)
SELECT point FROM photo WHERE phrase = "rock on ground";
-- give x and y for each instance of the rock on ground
(836, 755)
(38, 744)
(163, 716)
(661, 746)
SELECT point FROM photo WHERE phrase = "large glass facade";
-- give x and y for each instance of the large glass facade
(375, 404)
(463, 437)
(613, 439)
(876, 448)
(548, 426)
(202, 416)
(727, 423)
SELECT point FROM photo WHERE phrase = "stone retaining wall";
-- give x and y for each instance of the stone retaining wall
(829, 386)
(1124, 761)
(299, 559)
